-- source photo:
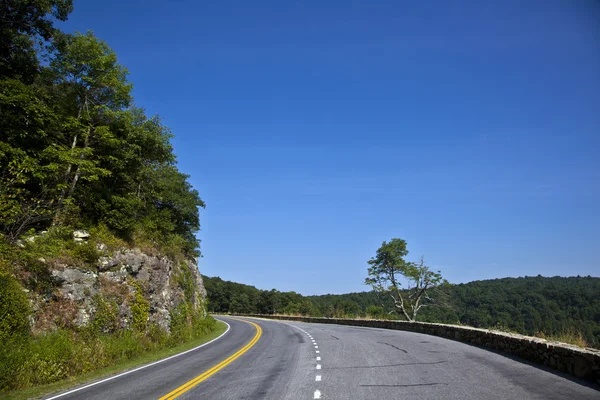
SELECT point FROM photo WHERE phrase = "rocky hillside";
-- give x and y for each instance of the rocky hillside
(123, 288)
(120, 277)
(72, 302)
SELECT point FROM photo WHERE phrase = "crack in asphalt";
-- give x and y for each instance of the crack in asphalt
(389, 365)
(396, 347)
(335, 337)
(415, 384)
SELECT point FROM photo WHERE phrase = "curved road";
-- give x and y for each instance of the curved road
(265, 359)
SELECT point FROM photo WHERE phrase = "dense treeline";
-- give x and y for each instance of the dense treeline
(531, 305)
(74, 149)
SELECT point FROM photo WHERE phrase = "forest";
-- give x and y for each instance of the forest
(542, 306)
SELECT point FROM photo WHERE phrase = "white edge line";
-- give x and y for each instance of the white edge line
(143, 366)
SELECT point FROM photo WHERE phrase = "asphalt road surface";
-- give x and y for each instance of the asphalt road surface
(265, 359)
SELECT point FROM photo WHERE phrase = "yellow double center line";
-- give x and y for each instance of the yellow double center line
(189, 385)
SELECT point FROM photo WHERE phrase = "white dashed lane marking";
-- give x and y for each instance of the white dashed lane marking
(317, 394)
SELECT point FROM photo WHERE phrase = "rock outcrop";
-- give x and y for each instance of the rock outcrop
(119, 279)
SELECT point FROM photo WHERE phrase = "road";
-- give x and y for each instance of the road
(265, 359)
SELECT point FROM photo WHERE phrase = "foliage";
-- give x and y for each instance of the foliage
(185, 280)
(556, 307)
(106, 317)
(388, 268)
(32, 259)
(188, 322)
(14, 308)
(75, 151)
(24, 24)
(101, 235)
(140, 310)
(27, 361)
(571, 336)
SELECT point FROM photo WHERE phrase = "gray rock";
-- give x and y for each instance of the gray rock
(116, 276)
(132, 259)
(130, 269)
(106, 263)
(83, 317)
(81, 235)
(76, 284)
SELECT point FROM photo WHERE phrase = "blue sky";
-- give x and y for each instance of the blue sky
(315, 130)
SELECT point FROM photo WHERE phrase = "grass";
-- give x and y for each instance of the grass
(118, 367)
(570, 336)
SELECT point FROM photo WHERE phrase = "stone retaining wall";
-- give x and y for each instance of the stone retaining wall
(582, 363)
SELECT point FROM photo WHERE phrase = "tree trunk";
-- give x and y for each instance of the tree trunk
(61, 197)
(66, 175)
(86, 144)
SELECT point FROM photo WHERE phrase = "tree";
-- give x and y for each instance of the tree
(387, 270)
(74, 150)
(93, 88)
(23, 24)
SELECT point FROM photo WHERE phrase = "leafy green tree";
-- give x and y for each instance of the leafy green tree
(387, 270)
(25, 178)
(74, 152)
(91, 88)
(23, 25)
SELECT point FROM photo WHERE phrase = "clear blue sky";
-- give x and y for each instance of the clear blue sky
(314, 130)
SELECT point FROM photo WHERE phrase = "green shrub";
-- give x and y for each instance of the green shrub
(106, 317)
(14, 308)
(140, 309)
(27, 361)
(157, 335)
(101, 234)
(85, 252)
(187, 322)
(181, 329)
(13, 354)
(185, 280)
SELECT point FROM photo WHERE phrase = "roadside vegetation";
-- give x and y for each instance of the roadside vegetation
(123, 364)
(76, 153)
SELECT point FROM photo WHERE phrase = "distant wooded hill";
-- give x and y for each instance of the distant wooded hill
(531, 305)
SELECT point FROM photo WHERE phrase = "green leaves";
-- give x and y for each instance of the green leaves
(25, 23)
(389, 268)
(14, 308)
(74, 151)
(87, 68)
